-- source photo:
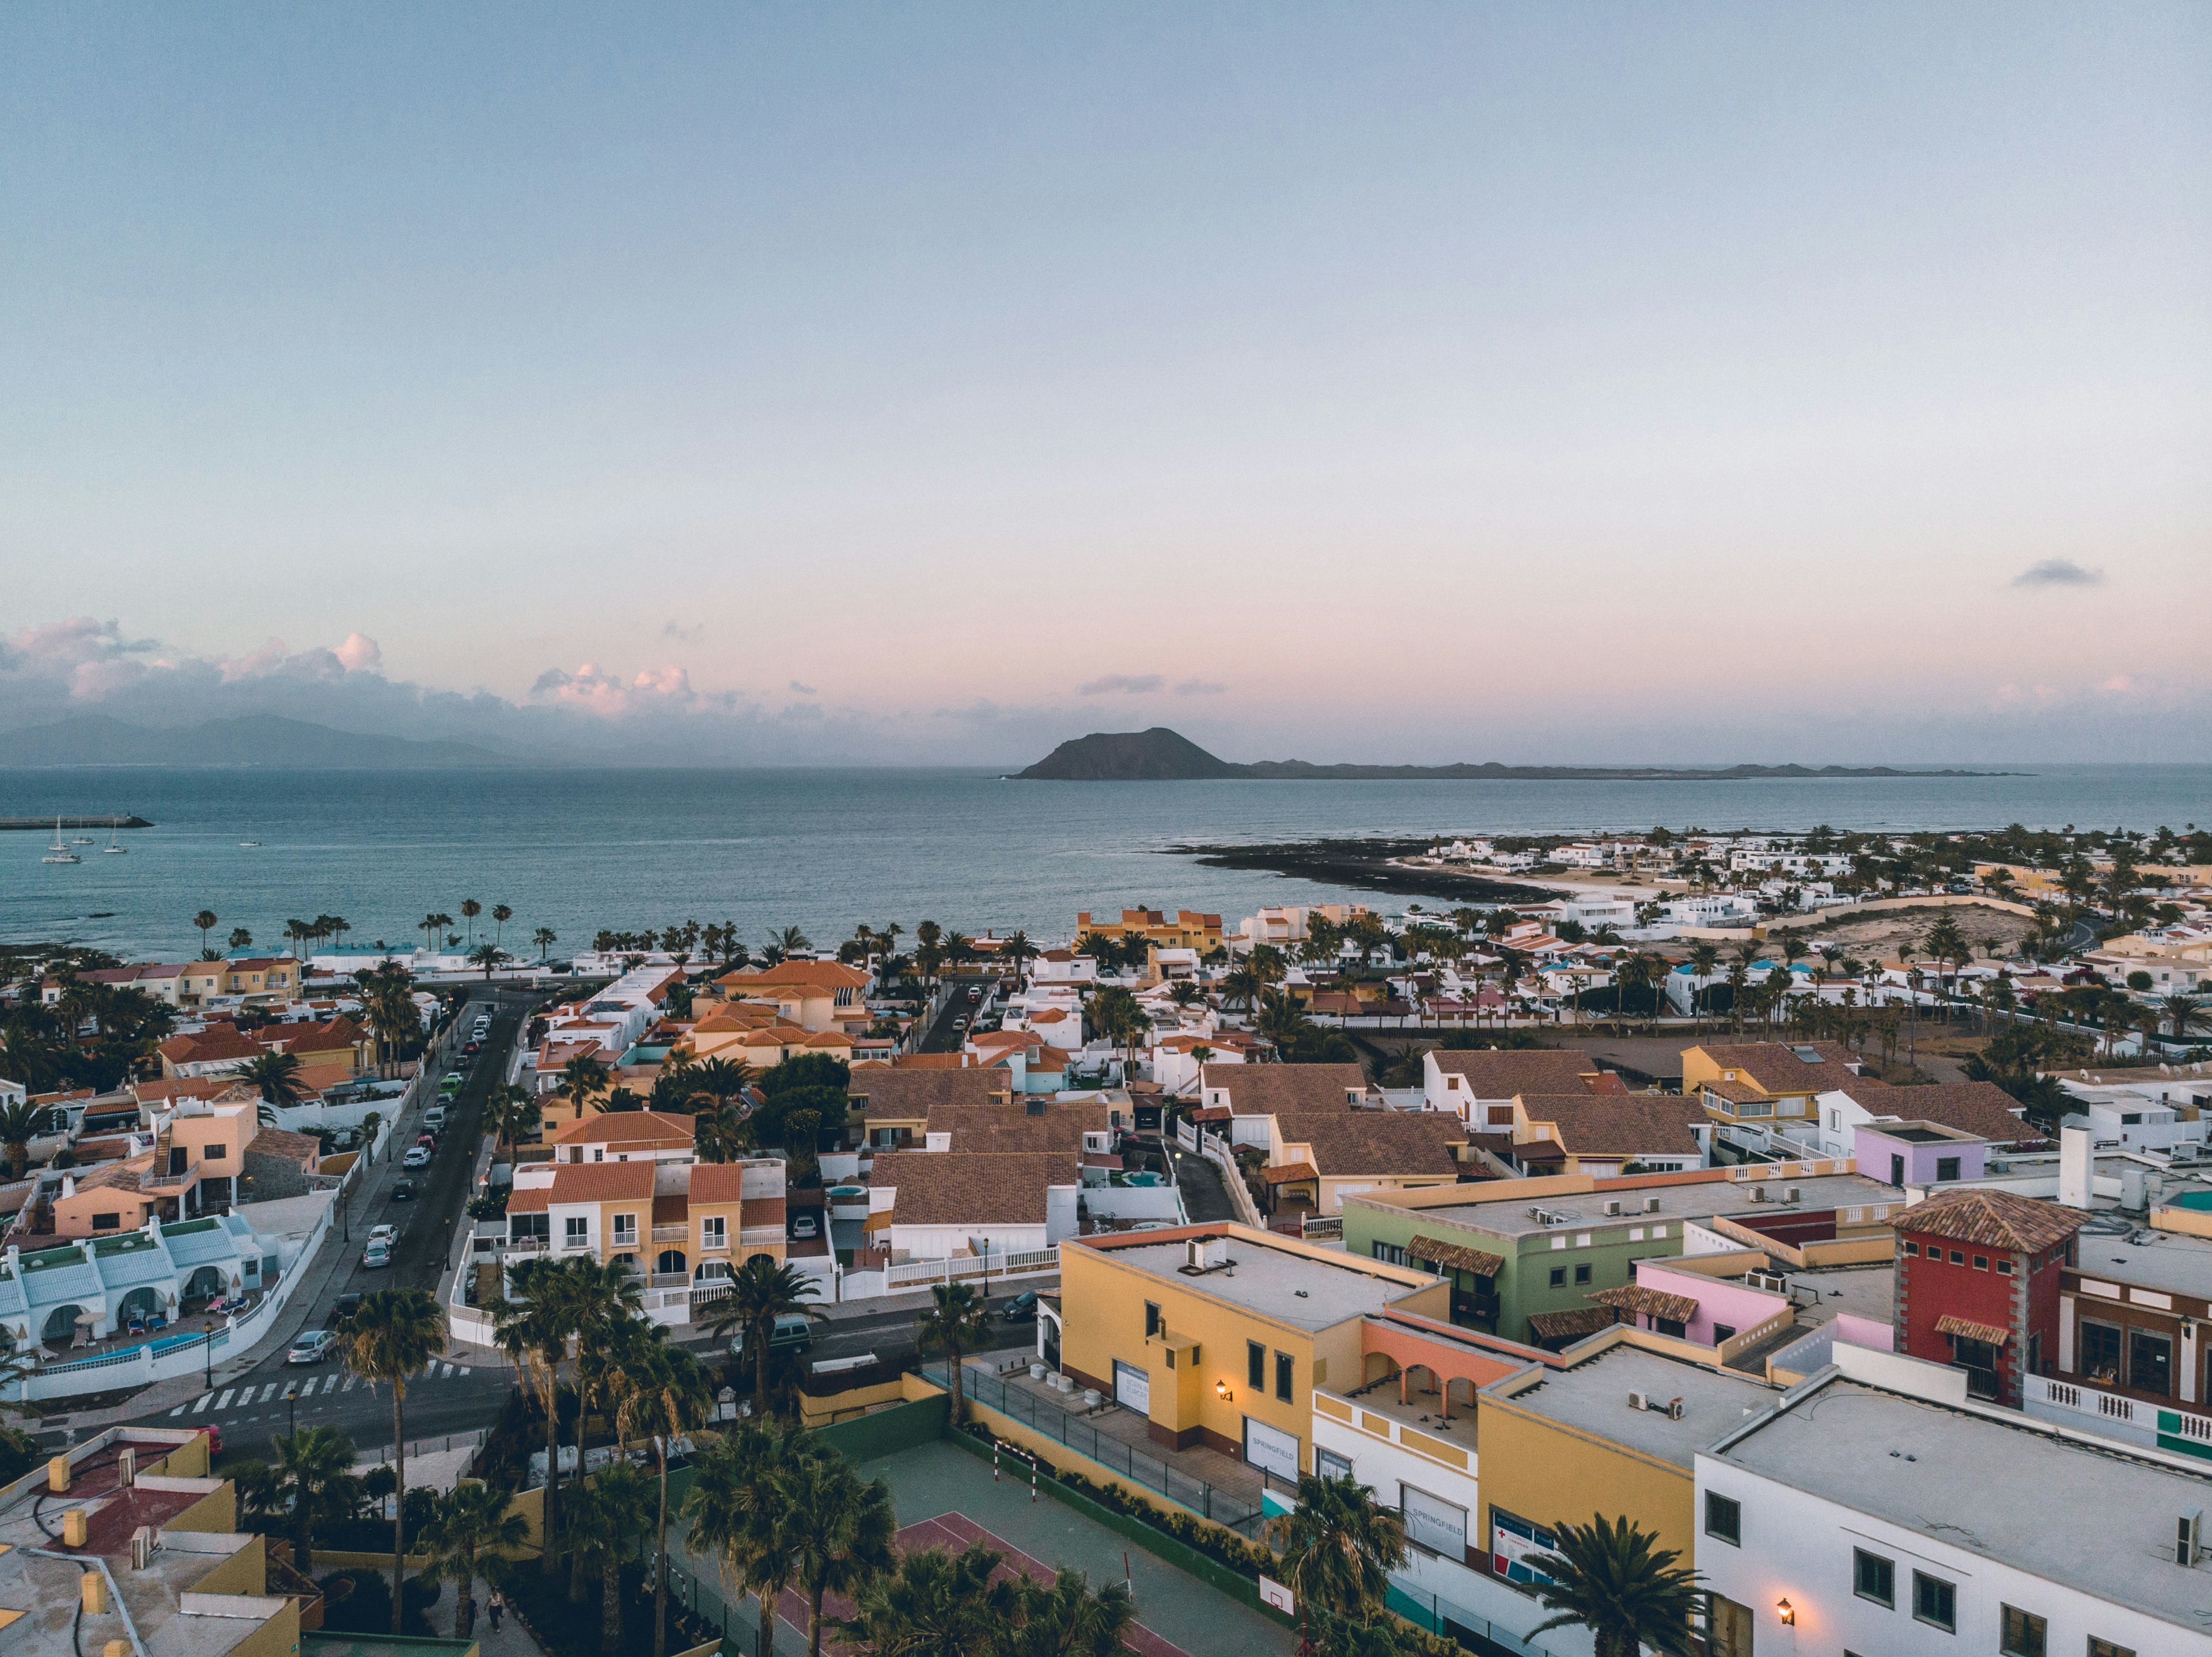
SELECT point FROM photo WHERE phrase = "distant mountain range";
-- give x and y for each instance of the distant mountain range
(1161, 755)
(256, 740)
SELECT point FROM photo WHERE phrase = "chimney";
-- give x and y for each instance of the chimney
(2074, 1165)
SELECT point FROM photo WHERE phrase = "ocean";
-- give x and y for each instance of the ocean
(580, 850)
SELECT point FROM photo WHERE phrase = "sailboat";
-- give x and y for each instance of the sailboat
(59, 852)
(114, 848)
(81, 840)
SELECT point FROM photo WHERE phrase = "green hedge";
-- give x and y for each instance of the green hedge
(1073, 1490)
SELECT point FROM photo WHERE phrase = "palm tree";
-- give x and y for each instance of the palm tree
(2182, 1013)
(240, 938)
(474, 1520)
(1339, 1546)
(958, 1321)
(1065, 1618)
(487, 956)
(532, 1328)
(1608, 1577)
(545, 938)
(510, 1112)
(839, 1532)
(206, 920)
(790, 941)
(673, 1394)
(313, 1465)
(275, 1077)
(721, 1080)
(470, 909)
(739, 1501)
(394, 1334)
(605, 1519)
(937, 1602)
(21, 1121)
(760, 1291)
(602, 1300)
(581, 1078)
(719, 1135)
(1704, 956)
(1017, 949)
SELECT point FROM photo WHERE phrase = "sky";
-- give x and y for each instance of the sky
(932, 384)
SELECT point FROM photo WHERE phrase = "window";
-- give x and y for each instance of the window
(2150, 1362)
(1658, 1231)
(1913, 1249)
(2022, 1633)
(2004, 1268)
(1947, 1169)
(1957, 1259)
(211, 1153)
(1152, 1319)
(1255, 1365)
(1724, 1333)
(1935, 1602)
(1724, 1517)
(1755, 1107)
(1582, 1276)
(2107, 1649)
(2100, 1351)
(1981, 1262)
(1558, 1276)
(1329, 1464)
(106, 1222)
(1284, 1367)
(578, 1231)
(625, 1229)
(1874, 1578)
(1674, 1326)
(1389, 1253)
(714, 1233)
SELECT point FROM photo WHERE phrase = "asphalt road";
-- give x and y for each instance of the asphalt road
(943, 1036)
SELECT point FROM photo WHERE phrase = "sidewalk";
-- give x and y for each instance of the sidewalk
(332, 1262)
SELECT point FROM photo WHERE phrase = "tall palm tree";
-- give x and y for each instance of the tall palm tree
(721, 1080)
(313, 1465)
(487, 957)
(937, 1603)
(603, 1300)
(275, 1077)
(394, 1335)
(207, 920)
(21, 1121)
(500, 915)
(1065, 1618)
(605, 1519)
(1339, 1547)
(1609, 1576)
(510, 1112)
(473, 1522)
(2182, 1014)
(532, 1328)
(956, 1321)
(580, 1080)
(674, 1393)
(1704, 956)
(240, 938)
(790, 941)
(839, 1532)
(470, 909)
(544, 937)
(739, 1501)
(760, 1291)
(719, 1135)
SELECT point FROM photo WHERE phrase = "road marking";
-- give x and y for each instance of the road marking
(465, 1369)
(444, 1371)
(202, 1402)
(223, 1402)
(291, 1390)
(348, 1387)
(174, 1413)
(269, 1391)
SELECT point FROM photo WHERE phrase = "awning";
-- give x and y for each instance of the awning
(1213, 1113)
(1653, 1302)
(880, 1220)
(1290, 1173)
(1967, 1329)
(1456, 1255)
(1565, 1326)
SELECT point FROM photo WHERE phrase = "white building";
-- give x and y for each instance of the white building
(1876, 1511)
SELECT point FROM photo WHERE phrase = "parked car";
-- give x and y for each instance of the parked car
(805, 1226)
(1022, 1309)
(346, 1306)
(472, 1049)
(435, 1118)
(794, 1332)
(386, 1233)
(312, 1347)
(417, 1159)
(427, 1141)
(376, 1255)
(960, 1023)
(403, 1191)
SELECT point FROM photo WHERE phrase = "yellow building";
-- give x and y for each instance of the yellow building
(1219, 1333)
(264, 976)
(1187, 928)
(1770, 1082)
(682, 1225)
(1616, 1431)
(816, 996)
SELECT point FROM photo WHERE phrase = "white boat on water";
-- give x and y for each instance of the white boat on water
(59, 852)
(249, 843)
(114, 848)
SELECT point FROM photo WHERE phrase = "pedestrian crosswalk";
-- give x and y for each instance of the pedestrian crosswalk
(325, 1386)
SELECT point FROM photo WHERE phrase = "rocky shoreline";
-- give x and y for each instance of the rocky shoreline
(1368, 865)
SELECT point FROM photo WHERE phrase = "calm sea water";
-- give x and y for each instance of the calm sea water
(822, 850)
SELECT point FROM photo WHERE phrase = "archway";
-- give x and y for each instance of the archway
(672, 1261)
(61, 1326)
(770, 1258)
(141, 1303)
(204, 1284)
(712, 1271)
(1378, 1366)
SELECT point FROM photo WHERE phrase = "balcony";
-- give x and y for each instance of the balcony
(752, 1235)
(715, 1242)
(675, 1234)
(621, 1239)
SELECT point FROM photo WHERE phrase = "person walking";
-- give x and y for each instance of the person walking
(497, 1606)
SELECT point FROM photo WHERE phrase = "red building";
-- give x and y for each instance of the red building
(1977, 1278)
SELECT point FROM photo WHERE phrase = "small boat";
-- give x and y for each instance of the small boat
(59, 852)
(249, 844)
(81, 840)
(114, 848)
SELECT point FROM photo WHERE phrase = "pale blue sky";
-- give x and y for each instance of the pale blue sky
(1424, 377)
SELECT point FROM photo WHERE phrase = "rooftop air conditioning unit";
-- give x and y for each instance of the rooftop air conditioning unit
(1033, 1105)
(1651, 1205)
(2188, 1536)
(1757, 1194)
(1637, 1401)
(142, 1547)
(1675, 1411)
(1208, 1253)
(127, 1467)
(1793, 1193)
(1612, 1206)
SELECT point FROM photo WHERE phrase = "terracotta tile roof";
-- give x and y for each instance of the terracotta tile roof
(1994, 1219)
(627, 1127)
(288, 1147)
(1566, 1326)
(1459, 1255)
(1290, 1173)
(1980, 1108)
(529, 1199)
(795, 975)
(1653, 1302)
(936, 1060)
(1377, 1142)
(1947, 1324)
(119, 1176)
(716, 1182)
(1502, 1076)
(670, 1210)
(603, 1182)
(1772, 1065)
(1736, 1093)
(216, 1043)
(1004, 1128)
(907, 1095)
(1602, 1124)
(971, 1189)
(1268, 1089)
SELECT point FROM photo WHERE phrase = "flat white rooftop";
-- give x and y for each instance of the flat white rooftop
(1293, 1289)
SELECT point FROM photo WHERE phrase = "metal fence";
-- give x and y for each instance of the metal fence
(1118, 1457)
(735, 1617)
(424, 1447)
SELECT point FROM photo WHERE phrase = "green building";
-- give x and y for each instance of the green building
(1514, 1258)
